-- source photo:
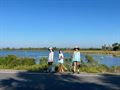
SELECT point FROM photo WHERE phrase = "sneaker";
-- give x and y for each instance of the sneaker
(73, 72)
(78, 72)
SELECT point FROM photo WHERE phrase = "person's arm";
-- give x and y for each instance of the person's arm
(72, 56)
(62, 56)
(79, 56)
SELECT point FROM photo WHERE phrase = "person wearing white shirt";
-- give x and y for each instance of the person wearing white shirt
(50, 59)
(61, 61)
(61, 57)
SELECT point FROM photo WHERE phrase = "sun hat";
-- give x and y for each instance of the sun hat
(76, 47)
(50, 48)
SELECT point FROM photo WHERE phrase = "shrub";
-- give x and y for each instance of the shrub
(91, 60)
(115, 69)
(88, 69)
(43, 60)
(68, 64)
(11, 57)
(103, 68)
(12, 60)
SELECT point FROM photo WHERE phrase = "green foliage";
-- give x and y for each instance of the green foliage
(91, 60)
(89, 69)
(2, 61)
(15, 63)
(106, 47)
(94, 69)
(68, 63)
(43, 60)
(25, 61)
(30, 48)
(116, 46)
(11, 57)
(115, 69)
(7, 60)
(103, 68)
(11, 61)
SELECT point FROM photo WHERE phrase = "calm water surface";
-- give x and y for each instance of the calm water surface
(108, 60)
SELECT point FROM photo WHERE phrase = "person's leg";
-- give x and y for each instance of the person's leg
(48, 70)
(62, 67)
(78, 67)
(59, 67)
(51, 66)
(74, 67)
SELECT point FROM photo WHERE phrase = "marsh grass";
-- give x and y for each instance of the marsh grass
(16, 63)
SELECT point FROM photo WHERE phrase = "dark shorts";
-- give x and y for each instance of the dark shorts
(78, 63)
(50, 63)
(75, 61)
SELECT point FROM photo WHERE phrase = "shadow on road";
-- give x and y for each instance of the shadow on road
(23, 81)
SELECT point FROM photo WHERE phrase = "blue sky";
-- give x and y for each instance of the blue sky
(60, 23)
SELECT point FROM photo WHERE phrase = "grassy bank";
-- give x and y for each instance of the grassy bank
(93, 66)
(114, 53)
(19, 63)
(16, 63)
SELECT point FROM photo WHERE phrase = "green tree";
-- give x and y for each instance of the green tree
(104, 47)
(116, 46)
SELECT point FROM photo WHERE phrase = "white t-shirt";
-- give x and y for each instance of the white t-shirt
(61, 57)
(51, 56)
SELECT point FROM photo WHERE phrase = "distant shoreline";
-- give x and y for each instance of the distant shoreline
(114, 53)
(86, 51)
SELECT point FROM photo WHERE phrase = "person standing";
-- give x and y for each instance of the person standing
(76, 60)
(50, 59)
(60, 61)
(61, 57)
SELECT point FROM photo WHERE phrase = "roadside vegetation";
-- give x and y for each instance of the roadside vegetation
(22, 63)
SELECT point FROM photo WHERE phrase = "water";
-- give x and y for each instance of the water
(108, 60)
(32, 54)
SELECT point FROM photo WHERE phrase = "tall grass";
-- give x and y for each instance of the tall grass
(17, 63)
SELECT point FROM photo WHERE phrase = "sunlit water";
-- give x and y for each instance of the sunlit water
(108, 60)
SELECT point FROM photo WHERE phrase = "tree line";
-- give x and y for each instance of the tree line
(113, 47)
(31, 48)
